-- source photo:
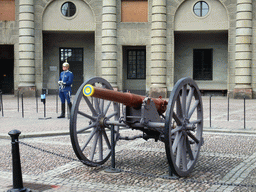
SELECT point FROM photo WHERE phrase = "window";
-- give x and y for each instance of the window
(136, 64)
(202, 64)
(134, 11)
(7, 10)
(201, 8)
(68, 9)
(71, 54)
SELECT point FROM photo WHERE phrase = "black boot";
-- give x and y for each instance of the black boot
(70, 106)
(62, 111)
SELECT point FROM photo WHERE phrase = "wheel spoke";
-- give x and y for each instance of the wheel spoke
(183, 100)
(100, 147)
(192, 137)
(189, 99)
(190, 153)
(90, 106)
(107, 107)
(94, 146)
(196, 121)
(102, 105)
(193, 109)
(176, 141)
(87, 116)
(179, 107)
(179, 152)
(184, 155)
(106, 139)
(111, 115)
(89, 139)
(97, 105)
(176, 130)
(177, 119)
(86, 128)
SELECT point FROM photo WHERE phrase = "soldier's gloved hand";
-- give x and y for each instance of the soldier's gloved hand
(60, 82)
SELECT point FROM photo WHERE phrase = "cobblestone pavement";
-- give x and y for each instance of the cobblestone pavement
(227, 159)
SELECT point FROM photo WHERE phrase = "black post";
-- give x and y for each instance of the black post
(18, 100)
(36, 101)
(22, 105)
(43, 99)
(210, 110)
(57, 101)
(2, 105)
(17, 175)
(113, 163)
(244, 113)
(228, 110)
(112, 169)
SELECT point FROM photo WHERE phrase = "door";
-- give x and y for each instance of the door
(74, 57)
(7, 67)
(202, 65)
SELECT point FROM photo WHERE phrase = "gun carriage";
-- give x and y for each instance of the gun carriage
(177, 122)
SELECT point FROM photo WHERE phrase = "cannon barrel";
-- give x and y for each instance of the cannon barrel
(128, 99)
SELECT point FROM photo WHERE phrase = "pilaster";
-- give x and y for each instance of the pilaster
(26, 47)
(243, 55)
(158, 49)
(109, 42)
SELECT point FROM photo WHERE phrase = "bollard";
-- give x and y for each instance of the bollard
(1, 103)
(228, 110)
(57, 95)
(43, 99)
(210, 103)
(18, 100)
(16, 167)
(244, 113)
(36, 101)
(22, 105)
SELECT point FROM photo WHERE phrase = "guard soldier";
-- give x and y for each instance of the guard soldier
(65, 84)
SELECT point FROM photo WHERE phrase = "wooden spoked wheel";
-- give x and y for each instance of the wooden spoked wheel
(90, 138)
(184, 127)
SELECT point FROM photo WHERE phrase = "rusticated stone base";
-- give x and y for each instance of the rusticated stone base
(240, 93)
(27, 91)
(155, 92)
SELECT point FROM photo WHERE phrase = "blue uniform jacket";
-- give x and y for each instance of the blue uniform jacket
(67, 78)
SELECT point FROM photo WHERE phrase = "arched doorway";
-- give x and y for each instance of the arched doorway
(201, 43)
(68, 34)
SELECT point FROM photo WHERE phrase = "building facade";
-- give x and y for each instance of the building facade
(144, 46)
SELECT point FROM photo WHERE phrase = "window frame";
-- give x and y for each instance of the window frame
(144, 65)
(68, 9)
(198, 72)
(200, 9)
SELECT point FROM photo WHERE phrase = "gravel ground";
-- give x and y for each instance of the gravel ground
(51, 165)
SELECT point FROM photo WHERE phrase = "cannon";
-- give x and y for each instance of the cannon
(177, 122)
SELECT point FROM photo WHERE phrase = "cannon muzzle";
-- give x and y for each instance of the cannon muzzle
(128, 99)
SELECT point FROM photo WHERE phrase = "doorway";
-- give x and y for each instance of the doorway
(74, 57)
(7, 67)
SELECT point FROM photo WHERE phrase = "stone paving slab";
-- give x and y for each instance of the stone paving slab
(228, 154)
(225, 158)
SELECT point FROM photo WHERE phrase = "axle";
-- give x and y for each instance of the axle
(128, 99)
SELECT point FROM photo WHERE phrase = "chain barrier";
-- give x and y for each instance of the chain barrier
(143, 174)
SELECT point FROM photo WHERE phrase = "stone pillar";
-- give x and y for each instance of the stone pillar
(109, 44)
(26, 47)
(158, 49)
(243, 58)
